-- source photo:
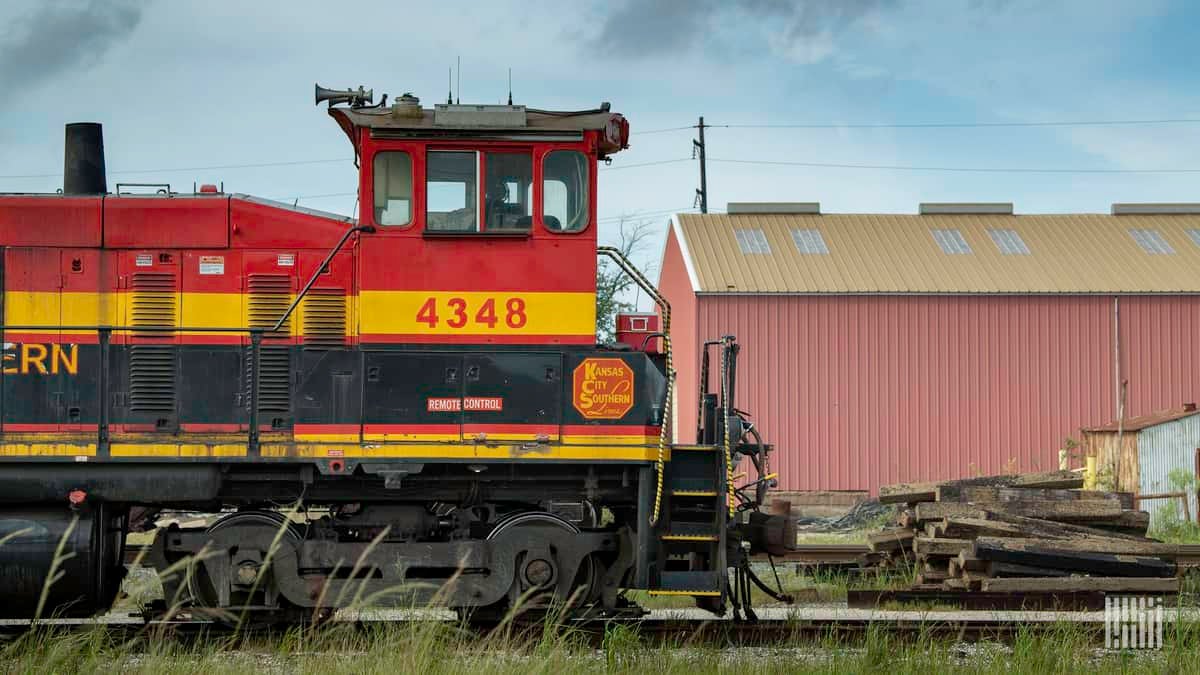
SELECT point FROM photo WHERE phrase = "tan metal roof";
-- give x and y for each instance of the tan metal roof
(898, 253)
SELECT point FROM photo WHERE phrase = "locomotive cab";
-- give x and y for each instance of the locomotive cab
(498, 201)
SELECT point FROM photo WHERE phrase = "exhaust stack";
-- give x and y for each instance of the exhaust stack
(83, 168)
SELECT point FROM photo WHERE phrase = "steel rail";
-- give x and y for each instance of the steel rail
(776, 626)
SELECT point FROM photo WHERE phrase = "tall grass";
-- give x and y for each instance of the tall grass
(447, 647)
(556, 645)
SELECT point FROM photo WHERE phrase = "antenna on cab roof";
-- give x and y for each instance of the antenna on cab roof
(450, 85)
(510, 86)
(458, 96)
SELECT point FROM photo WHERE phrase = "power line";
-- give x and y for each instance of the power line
(643, 214)
(951, 169)
(262, 165)
(624, 216)
(661, 131)
(656, 163)
(801, 125)
(938, 125)
(961, 125)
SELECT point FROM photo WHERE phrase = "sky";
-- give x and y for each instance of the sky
(183, 88)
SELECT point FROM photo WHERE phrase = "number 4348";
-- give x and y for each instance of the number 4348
(457, 313)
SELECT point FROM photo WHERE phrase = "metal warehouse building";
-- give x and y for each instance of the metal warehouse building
(879, 348)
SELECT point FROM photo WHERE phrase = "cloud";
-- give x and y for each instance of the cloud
(61, 35)
(802, 30)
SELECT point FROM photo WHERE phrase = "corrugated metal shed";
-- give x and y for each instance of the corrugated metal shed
(899, 253)
(897, 362)
(1162, 449)
(1149, 449)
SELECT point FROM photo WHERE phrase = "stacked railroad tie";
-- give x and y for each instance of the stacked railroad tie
(1023, 533)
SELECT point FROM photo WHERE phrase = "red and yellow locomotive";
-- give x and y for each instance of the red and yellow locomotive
(425, 380)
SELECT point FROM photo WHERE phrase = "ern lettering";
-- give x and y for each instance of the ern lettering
(24, 358)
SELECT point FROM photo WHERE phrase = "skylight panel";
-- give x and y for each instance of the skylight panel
(752, 241)
(1195, 235)
(1151, 241)
(1008, 241)
(951, 241)
(810, 241)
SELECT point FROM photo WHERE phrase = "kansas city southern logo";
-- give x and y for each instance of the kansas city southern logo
(603, 389)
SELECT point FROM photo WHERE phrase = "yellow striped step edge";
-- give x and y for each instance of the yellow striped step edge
(694, 493)
(708, 594)
(689, 537)
(695, 448)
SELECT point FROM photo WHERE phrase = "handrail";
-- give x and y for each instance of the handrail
(104, 332)
(140, 329)
(640, 279)
(324, 263)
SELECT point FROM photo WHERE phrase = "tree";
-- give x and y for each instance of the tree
(612, 285)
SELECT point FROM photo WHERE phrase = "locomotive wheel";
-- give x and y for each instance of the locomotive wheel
(533, 573)
(255, 596)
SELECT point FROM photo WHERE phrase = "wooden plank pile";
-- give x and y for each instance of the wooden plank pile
(1023, 533)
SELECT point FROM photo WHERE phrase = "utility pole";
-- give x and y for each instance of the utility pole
(698, 150)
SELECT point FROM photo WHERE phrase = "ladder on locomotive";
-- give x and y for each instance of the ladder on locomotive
(694, 534)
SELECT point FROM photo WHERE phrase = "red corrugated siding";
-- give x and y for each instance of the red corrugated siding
(860, 391)
(1159, 341)
(674, 284)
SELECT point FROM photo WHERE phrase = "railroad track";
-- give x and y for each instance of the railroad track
(827, 555)
(777, 626)
(807, 554)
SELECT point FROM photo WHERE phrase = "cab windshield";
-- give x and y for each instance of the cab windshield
(455, 203)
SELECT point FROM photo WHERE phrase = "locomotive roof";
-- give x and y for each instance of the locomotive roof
(485, 121)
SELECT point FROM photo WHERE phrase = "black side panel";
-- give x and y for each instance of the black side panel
(530, 386)
(212, 391)
(328, 387)
(400, 386)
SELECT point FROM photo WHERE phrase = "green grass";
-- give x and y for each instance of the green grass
(433, 647)
(445, 647)
(1172, 528)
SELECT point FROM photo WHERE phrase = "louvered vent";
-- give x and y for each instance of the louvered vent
(269, 297)
(324, 318)
(153, 304)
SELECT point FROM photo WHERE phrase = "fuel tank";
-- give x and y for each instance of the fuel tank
(72, 558)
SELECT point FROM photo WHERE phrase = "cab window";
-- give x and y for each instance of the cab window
(509, 193)
(393, 188)
(451, 180)
(565, 191)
